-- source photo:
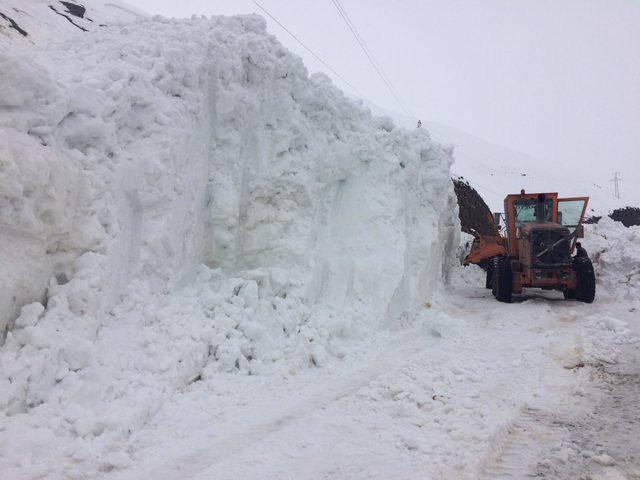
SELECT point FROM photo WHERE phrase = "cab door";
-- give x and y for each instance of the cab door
(571, 214)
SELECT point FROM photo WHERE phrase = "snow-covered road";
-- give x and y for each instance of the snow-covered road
(483, 390)
(601, 442)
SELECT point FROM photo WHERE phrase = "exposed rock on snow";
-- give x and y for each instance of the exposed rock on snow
(24, 23)
(74, 9)
(12, 24)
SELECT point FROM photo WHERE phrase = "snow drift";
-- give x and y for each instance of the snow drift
(180, 197)
(615, 251)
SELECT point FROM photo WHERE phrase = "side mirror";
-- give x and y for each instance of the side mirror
(560, 218)
(580, 231)
(496, 219)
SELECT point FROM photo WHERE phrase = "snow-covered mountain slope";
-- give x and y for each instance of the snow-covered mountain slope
(495, 170)
(24, 23)
(180, 198)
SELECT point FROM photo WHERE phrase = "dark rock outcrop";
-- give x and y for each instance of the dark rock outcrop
(74, 9)
(14, 25)
(593, 219)
(628, 216)
(68, 18)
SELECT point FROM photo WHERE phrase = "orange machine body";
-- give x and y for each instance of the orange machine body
(527, 221)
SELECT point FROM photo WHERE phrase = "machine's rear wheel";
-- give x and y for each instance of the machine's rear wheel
(502, 282)
(586, 289)
(569, 294)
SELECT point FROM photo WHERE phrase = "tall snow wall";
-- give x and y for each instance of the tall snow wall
(184, 190)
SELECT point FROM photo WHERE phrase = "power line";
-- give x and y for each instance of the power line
(369, 54)
(376, 65)
(347, 19)
(355, 90)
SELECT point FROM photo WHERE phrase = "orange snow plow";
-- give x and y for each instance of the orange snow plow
(535, 250)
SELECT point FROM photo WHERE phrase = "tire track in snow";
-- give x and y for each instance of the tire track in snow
(603, 444)
(515, 450)
(398, 352)
(599, 444)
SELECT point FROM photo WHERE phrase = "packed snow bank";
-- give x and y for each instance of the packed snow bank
(615, 251)
(195, 202)
(47, 191)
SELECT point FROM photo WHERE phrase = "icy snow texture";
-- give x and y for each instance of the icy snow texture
(191, 201)
(615, 252)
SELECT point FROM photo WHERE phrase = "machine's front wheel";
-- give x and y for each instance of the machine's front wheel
(489, 281)
(586, 289)
(502, 282)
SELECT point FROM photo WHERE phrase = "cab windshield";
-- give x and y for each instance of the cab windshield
(525, 211)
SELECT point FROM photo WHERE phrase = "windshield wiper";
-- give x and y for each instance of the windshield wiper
(557, 243)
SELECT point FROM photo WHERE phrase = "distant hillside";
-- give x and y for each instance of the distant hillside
(494, 170)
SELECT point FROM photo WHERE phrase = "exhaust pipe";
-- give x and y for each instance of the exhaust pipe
(540, 208)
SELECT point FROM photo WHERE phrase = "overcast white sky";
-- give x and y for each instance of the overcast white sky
(557, 79)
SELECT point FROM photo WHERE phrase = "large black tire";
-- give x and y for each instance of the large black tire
(502, 284)
(586, 289)
(569, 294)
(489, 281)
